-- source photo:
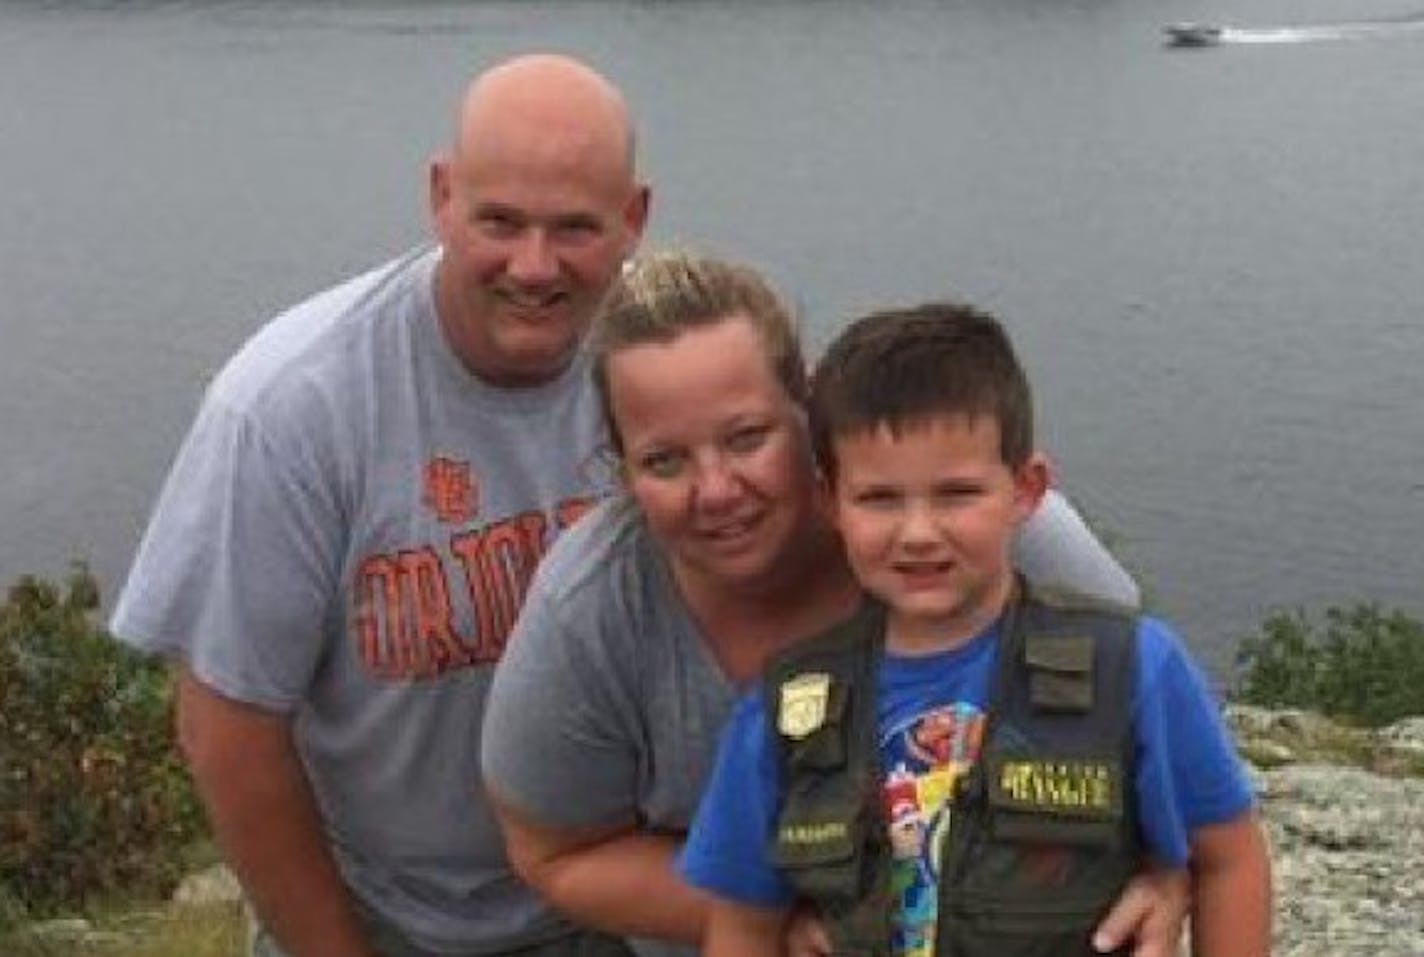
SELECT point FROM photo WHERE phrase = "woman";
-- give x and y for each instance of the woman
(646, 617)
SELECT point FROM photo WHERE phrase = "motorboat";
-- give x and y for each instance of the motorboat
(1191, 34)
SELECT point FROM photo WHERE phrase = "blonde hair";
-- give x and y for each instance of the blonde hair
(662, 295)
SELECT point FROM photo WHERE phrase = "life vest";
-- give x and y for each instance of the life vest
(1043, 829)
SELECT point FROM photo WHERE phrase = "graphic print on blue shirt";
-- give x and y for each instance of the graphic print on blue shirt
(923, 757)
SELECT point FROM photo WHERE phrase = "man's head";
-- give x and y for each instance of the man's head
(923, 423)
(535, 206)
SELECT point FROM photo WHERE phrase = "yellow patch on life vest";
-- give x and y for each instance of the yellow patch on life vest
(803, 705)
(1067, 786)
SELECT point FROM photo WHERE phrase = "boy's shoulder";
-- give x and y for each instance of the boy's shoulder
(1056, 598)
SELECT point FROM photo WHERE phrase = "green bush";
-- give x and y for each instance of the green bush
(94, 799)
(1366, 667)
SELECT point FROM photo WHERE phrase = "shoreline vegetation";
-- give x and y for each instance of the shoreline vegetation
(99, 823)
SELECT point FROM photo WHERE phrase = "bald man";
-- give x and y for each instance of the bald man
(340, 548)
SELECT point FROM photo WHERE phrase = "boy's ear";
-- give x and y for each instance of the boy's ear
(1031, 482)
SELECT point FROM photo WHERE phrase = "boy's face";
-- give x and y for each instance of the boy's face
(927, 518)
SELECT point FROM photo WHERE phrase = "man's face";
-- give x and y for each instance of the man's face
(533, 231)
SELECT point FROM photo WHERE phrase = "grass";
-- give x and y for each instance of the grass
(210, 930)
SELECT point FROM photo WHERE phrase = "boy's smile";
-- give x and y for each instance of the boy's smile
(927, 512)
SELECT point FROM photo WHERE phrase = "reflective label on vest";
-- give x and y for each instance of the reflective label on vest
(809, 844)
(1081, 787)
(825, 832)
(803, 704)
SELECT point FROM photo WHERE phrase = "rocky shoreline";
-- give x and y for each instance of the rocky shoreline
(1344, 811)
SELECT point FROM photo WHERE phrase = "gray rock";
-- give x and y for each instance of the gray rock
(62, 928)
(214, 885)
(1347, 851)
(73, 934)
(1406, 736)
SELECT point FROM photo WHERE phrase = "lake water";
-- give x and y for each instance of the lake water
(1210, 258)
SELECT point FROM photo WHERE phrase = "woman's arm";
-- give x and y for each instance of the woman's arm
(741, 930)
(1055, 547)
(612, 877)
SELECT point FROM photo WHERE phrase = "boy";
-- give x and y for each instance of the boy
(964, 768)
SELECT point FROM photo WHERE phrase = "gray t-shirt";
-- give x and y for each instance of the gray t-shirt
(609, 703)
(346, 535)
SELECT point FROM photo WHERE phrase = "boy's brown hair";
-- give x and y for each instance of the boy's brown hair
(899, 367)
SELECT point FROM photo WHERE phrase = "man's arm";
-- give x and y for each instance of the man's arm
(265, 819)
(614, 877)
(1231, 878)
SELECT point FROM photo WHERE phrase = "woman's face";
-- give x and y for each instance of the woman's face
(715, 451)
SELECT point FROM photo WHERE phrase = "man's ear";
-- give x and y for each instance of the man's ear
(440, 194)
(1031, 481)
(635, 213)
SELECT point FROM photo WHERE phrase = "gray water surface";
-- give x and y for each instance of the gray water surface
(1210, 259)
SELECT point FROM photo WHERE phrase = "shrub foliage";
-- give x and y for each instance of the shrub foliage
(1364, 665)
(94, 800)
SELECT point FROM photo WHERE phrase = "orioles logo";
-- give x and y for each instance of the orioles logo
(450, 490)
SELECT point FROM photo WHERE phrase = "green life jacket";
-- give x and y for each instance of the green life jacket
(1043, 833)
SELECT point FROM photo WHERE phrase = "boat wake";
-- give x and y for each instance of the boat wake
(1322, 32)
(1209, 35)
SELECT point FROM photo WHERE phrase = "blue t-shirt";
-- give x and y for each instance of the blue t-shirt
(931, 714)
